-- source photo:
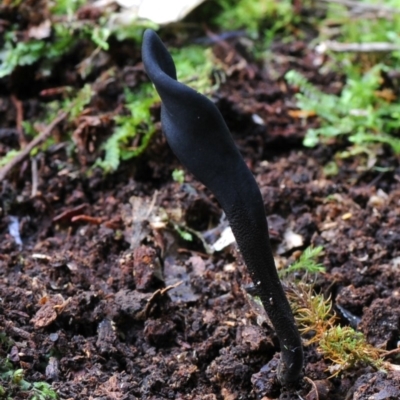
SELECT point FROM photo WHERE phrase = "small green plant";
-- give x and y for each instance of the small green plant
(17, 378)
(133, 30)
(344, 346)
(194, 66)
(306, 262)
(13, 382)
(65, 7)
(43, 391)
(347, 348)
(178, 175)
(313, 312)
(77, 103)
(174, 219)
(272, 15)
(19, 53)
(133, 132)
(183, 232)
(358, 114)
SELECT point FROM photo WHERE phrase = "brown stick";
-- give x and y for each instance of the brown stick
(31, 145)
(20, 117)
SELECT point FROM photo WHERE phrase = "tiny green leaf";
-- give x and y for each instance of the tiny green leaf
(178, 175)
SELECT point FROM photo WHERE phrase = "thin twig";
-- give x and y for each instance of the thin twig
(365, 6)
(357, 47)
(34, 170)
(391, 353)
(20, 117)
(314, 386)
(31, 145)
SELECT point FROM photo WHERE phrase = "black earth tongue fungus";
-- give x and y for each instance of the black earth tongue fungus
(199, 137)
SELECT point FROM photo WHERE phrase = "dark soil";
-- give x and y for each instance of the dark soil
(104, 300)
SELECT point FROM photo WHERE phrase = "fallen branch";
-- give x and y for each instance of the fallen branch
(31, 145)
(356, 47)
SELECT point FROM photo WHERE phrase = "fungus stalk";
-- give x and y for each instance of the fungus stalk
(199, 137)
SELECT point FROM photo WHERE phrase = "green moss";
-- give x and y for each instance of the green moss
(342, 345)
